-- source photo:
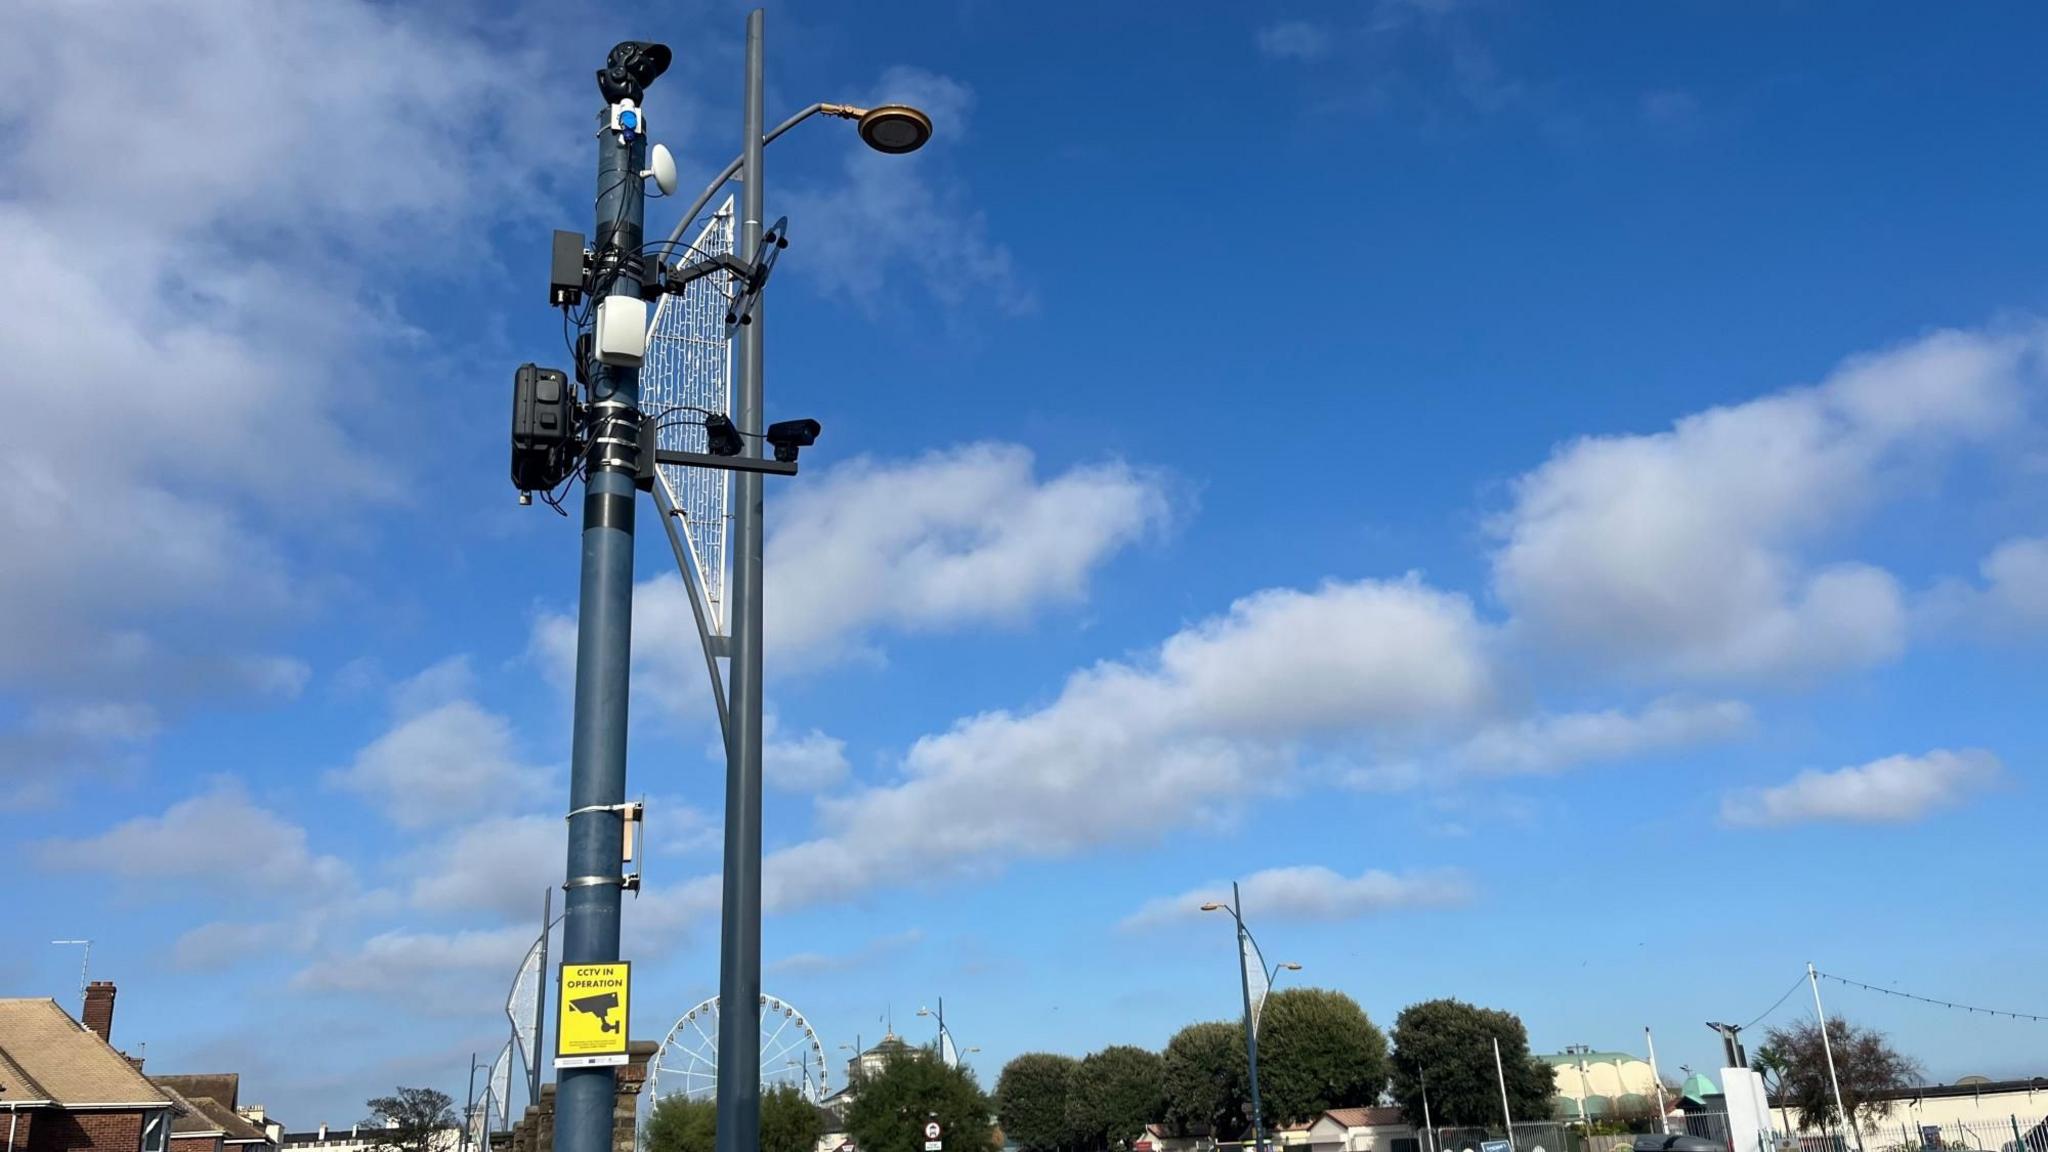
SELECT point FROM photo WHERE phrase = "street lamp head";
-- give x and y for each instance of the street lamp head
(895, 128)
(1212, 906)
(924, 1011)
(1291, 966)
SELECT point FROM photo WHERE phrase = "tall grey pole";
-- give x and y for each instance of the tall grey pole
(1827, 1046)
(585, 1097)
(739, 953)
(1251, 1029)
(540, 1000)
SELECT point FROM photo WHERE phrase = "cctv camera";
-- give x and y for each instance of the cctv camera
(631, 67)
(791, 436)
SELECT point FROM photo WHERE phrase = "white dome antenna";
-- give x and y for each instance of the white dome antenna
(661, 165)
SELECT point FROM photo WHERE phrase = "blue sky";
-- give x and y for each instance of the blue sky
(1553, 501)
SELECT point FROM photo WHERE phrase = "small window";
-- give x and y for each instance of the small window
(156, 1130)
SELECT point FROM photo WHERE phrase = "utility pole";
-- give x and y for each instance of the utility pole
(1827, 1046)
(593, 887)
(1663, 1106)
(739, 953)
(1507, 1117)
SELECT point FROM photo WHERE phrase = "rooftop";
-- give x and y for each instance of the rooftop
(57, 1060)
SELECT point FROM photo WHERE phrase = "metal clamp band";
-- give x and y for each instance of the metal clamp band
(591, 881)
(575, 812)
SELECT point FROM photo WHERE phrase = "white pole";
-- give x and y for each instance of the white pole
(1663, 1108)
(1501, 1072)
(1428, 1128)
(1828, 1047)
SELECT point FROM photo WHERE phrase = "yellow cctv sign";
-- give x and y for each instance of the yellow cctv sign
(591, 1013)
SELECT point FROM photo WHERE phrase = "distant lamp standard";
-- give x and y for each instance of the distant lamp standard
(1246, 947)
(945, 1037)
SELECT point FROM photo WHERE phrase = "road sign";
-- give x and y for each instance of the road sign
(591, 1011)
(931, 1130)
(1495, 1146)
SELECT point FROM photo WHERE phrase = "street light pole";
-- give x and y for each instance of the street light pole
(940, 1015)
(1251, 1028)
(739, 958)
(585, 1097)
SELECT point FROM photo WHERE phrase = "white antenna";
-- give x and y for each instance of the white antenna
(84, 968)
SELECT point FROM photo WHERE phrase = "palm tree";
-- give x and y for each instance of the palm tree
(1770, 1063)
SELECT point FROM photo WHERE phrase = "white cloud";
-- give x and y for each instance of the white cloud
(220, 836)
(1687, 552)
(1294, 40)
(1313, 892)
(220, 337)
(905, 213)
(1551, 742)
(2016, 578)
(59, 744)
(949, 538)
(1176, 741)
(1894, 790)
(408, 965)
(449, 681)
(454, 757)
(500, 865)
(945, 540)
(803, 763)
(819, 963)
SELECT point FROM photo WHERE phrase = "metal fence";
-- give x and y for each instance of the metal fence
(1984, 1134)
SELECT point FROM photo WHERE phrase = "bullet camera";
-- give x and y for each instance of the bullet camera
(631, 67)
(792, 436)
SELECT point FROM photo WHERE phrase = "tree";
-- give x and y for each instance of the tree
(681, 1124)
(1317, 1051)
(1770, 1063)
(1450, 1043)
(1113, 1095)
(1031, 1100)
(1205, 1079)
(889, 1114)
(411, 1121)
(789, 1123)
(1867, 1065)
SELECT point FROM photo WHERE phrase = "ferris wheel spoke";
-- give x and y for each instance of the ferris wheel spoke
(687, 1062)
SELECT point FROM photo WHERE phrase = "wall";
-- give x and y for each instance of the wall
(81, 1131)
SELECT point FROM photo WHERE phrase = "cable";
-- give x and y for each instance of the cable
(1932, 1000)
(1774, 1007)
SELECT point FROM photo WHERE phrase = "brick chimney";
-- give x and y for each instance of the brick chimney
(99, 1009)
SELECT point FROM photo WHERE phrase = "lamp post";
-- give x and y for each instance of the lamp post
(1251, 1024)
(892, 129)
(940, 1016)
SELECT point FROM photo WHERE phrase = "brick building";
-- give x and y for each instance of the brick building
(63, 1087)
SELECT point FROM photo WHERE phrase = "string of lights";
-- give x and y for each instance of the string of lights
(1934, 1001)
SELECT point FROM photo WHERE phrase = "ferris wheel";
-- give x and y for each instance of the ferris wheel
(687, 1064)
